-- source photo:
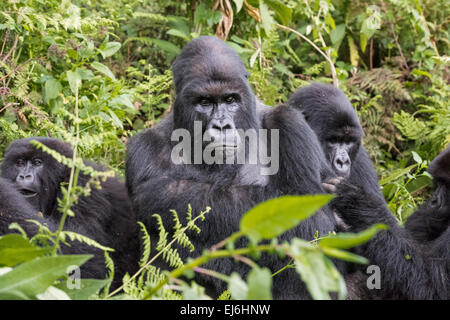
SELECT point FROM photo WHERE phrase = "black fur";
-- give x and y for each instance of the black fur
(105, 216)
(414, 262)
(332, 117)
(433, 217)
(208, 67)
(14, 208)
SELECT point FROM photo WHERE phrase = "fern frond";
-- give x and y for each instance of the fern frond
(146, 245)
(110, 267)
(172, 257)
(81, 238)
(162, 241)
(16, 226)
(409, 126)
(153, 17)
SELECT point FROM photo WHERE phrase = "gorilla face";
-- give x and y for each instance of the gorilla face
(212, 88)
(28, 178)
(332, 117)
(218, 111)
(340, 150)
(34, 173)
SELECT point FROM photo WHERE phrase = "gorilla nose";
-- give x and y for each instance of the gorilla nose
(342, 164)
(222, 131)
(221, 125)
(25, 178)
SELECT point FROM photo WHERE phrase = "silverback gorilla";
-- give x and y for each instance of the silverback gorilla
(213, 96)
(414, 262)
(332, 117)
(31, 184)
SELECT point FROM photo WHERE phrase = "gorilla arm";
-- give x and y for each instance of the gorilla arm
(15, 208)
(409, 270)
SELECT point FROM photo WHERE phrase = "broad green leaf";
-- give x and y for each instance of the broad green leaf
(282, 12)
(266, 17)
(74, 79)
(123, 100)
(15, 249)
(259, 284)
(238, 4)
(166, 46)
(273, 217)
(52, 89)
(350, 240)
(88, 287)
(53, 293)
(195, 292)
(317, 271)
(396, 174)
(237, 286)
(354, 55)
(103, 69)
(418, 183)
(115, 119)
(85, 74)
(344, 255)
(109, 49)
(416, 157)
(179, 34)
(369, 25)
(419, 72)
(34, 277)
(363, 42)
(337, 34)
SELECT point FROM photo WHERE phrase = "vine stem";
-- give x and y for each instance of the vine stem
(332, 67)
(204, 259)
(73, 179)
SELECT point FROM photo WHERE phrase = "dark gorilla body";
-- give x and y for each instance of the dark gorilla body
(433, 217)
(105, 216)
(14, 208)
(426, 239)
(332, 117)
(212, 87)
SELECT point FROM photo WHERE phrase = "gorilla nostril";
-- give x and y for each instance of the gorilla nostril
(227, 126)
(342, 162)
(221, 125)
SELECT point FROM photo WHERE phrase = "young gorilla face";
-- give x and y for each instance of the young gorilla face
(330, 114)
(341, 149)
(34, 173)
(212, 90)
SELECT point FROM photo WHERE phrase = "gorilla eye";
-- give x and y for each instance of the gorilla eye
(204, 102)
(230, 99)
(20, 162)
(37, 162)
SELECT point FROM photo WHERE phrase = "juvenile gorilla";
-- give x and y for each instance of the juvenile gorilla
(332, 117)
(105, 216)
(410, 269)
(212, 88)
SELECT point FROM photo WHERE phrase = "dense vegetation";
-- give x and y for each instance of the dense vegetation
(95, 72)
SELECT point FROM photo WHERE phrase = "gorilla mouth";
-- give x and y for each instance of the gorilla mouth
(221, 146)
(27, 193)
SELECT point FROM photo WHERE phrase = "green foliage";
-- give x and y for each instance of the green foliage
(94, 72)
(31, 278)
(273, 217)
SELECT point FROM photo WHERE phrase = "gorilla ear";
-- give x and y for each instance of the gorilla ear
(440, 166)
